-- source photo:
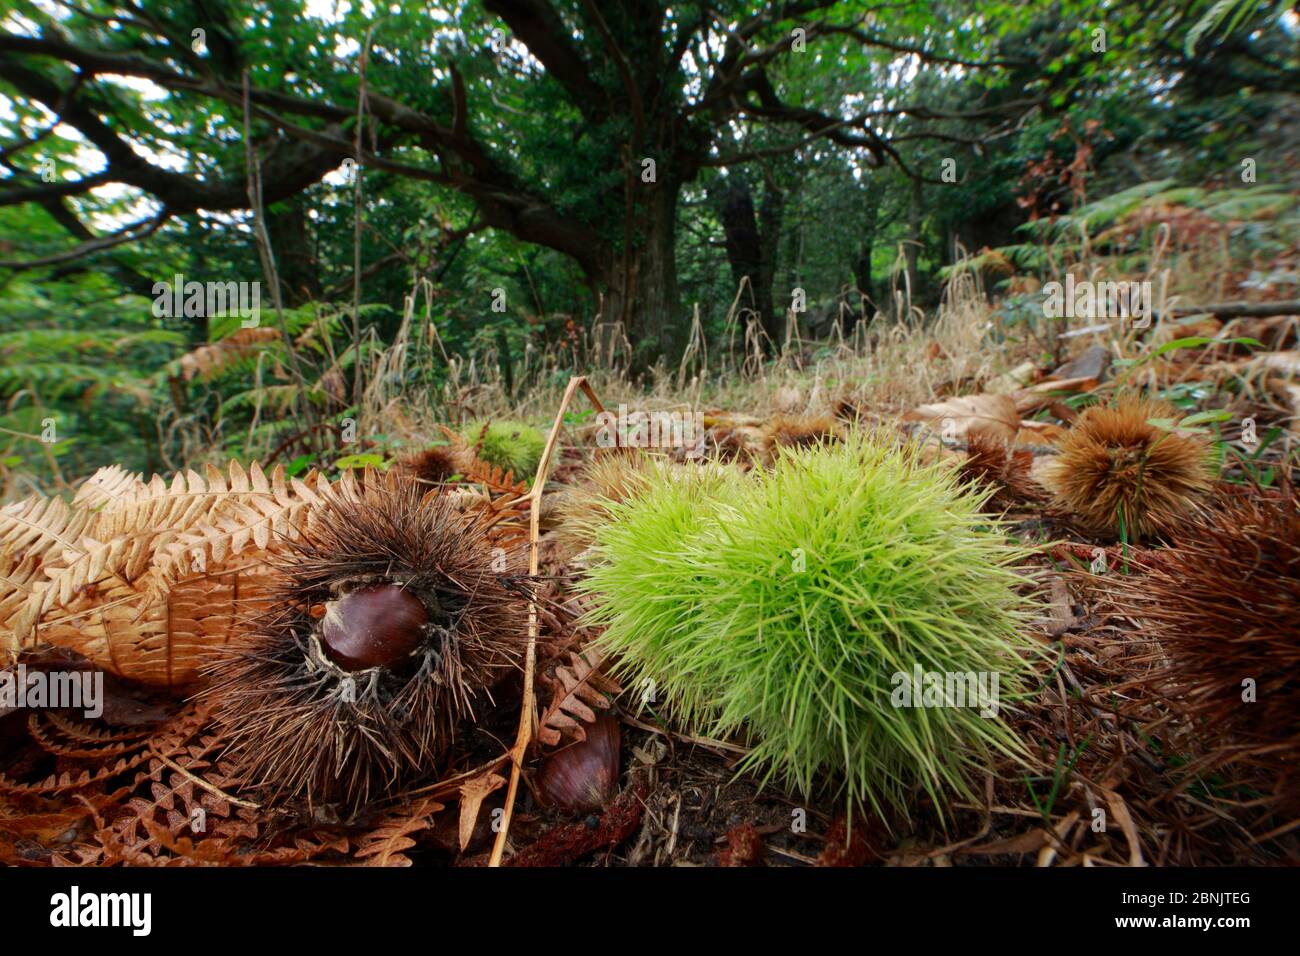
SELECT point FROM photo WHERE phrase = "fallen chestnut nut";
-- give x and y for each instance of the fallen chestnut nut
(583, 776)
(373, 626)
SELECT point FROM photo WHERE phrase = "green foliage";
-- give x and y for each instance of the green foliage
(78, 362)
(513, 446)
(1224, 205)
(1179, 95)
(1227, 18)
(784, 604)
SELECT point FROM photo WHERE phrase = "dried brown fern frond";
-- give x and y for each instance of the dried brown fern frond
(796, 431)
(142, 578)
(156, 640)
(992, 463)
(1224, 605)
(495, 478)
(576, 688)
(1116, 470)
(390, 625)
(227, 517)
(386, 843)
(33, 534)
(108, 486)
(207, 360)
(41, 528)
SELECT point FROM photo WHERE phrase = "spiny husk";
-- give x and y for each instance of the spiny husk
(437, 463)
(784, 604)
(1223, 603)
(514, 446)
(732, 444)
(283, 709)
(1116, 472)
(607, 479)
(797, 431)
(610, 479)
(1006, 472)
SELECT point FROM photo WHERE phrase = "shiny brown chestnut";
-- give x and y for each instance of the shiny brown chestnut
(373, 626)
(583, 776)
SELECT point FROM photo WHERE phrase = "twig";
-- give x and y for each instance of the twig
(1232, 310)
(528, 712)
(200, 782)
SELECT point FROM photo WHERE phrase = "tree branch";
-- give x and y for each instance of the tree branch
(540, 29)
(126, 234)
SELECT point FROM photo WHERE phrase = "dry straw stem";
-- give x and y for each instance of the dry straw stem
(528, 710)
(1116, 472)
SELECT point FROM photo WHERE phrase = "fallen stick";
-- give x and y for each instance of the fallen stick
(528, 712)
(1237, 310)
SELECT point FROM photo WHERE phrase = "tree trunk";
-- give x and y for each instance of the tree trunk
(640, 283)
(296, 262)
(751, 242)
(913, 246)
(862, 268)
(770, 215)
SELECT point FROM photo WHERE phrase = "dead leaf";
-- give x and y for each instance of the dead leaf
(1287, 362)
(1018, 377)
(1119, 811)
(1038, 396)
(1060, 608)
(994, 415)
(472, 794)
(1038, 433)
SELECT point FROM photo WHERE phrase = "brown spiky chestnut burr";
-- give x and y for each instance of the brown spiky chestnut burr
(436, 464)
(1116, 471)
(1004, 470)
(391, 622)
(1223, 604)
(797, 431)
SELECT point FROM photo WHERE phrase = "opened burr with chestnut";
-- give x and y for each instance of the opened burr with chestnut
(392, 621)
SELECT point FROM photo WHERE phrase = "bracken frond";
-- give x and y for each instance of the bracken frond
(144, 577)
(208, 360)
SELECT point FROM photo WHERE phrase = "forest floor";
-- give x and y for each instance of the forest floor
(1117, 778)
